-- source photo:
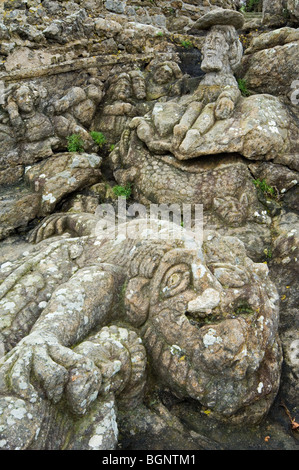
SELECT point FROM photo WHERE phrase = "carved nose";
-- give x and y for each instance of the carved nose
(208, 300)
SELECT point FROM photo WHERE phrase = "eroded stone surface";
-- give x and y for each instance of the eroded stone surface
(169, 104)
(209, 325)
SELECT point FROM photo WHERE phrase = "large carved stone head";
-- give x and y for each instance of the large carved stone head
(25, 99)
(222, 50)
(208, 317)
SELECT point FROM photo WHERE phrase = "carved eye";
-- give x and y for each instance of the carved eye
(176, 280)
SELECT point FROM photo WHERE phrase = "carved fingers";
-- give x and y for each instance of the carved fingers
(40, 366)
(56, 224)
(224, 108)
(53, 225)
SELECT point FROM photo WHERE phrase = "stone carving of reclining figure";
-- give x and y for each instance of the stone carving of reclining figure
(206, 316)
(215, 118)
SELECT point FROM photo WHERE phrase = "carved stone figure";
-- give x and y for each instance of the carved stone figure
(155, 152)
(120, 104)
(32, 128)
(214, 98)
(223, 185)
(74, 112)
(208, 323)
(215, 118)
(163, 79)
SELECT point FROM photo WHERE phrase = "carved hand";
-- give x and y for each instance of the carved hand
(40, 362)
(224, 108)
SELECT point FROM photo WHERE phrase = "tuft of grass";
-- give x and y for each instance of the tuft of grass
(187, 44)
(250, 4)
(243, 86)
(265, 188)
(122, 191)
(243, 307)
(98, 138)
(75, 143)
(268, 253)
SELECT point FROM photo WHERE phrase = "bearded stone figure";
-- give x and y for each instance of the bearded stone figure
(191, 148)
(123, 94)
(215, 119)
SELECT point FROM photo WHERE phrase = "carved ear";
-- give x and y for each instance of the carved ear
(137, 300)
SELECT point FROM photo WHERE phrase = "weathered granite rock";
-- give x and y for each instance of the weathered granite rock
(47, 183)
(219, 16)
(273, 38)
(223, 185)
(58, 60)
(273, 13)
(163, 79)
(156, 151)
(278, 176)
(18, 206)
(278, 12)
(33, 130)
(271, 63)
(61, 175)
(293, 10)
(284, 268)
(214, 119)
(120, 104)
(209, 328)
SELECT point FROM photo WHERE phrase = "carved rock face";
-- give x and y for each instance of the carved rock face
(207, 317)
(214, 51)
(25, 100)
(210, 327)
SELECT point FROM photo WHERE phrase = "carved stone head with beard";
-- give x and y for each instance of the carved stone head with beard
(222, 50)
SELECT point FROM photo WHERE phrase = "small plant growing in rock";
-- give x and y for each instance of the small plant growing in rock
(75, 143)
(268, 253)
(286, 14)
(187, 44)
(250, 5)
(265, 188)
(98, 138)
(243, 307)
(122, 191)
(245, 40)
(243, 86)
